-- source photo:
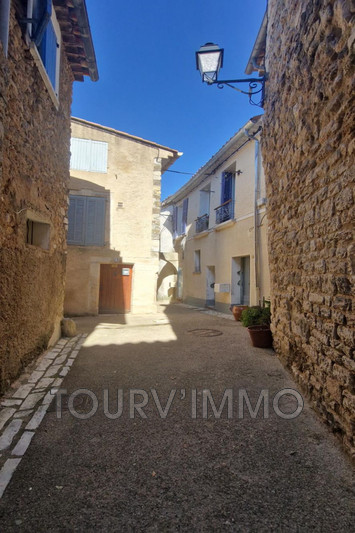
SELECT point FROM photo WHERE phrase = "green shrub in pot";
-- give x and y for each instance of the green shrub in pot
(256, 316)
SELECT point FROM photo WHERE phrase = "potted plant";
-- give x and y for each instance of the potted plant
(257, 319)
(237, 310)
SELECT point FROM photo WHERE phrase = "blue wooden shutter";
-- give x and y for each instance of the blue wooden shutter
(41, 14)
(48, 53)
(76, 217)
(227, 187)
(95, 222)
(184, 214)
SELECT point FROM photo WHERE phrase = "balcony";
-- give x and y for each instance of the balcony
(202, 223)
(224, 212)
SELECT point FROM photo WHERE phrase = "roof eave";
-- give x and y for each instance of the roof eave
(107, 129)
(85, 31)
(258, 47)
(170, 160)
(215, 161)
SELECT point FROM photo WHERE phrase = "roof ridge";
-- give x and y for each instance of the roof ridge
(125, 134)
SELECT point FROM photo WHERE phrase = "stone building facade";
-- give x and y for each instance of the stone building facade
(308, 151)
(34, 173)
(114, 229)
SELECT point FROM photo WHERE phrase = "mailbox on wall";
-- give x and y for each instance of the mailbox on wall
(221, 287)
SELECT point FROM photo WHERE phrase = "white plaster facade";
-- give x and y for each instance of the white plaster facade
(222, 251)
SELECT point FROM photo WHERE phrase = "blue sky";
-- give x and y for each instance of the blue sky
(149, 85)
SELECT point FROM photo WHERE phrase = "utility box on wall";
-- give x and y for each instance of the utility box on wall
(222, 287)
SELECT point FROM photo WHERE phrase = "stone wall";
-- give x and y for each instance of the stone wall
(308, 152)
(34, 165)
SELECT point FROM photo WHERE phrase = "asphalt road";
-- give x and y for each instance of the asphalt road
(183, 468)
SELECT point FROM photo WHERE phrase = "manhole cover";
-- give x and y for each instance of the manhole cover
(205, 332)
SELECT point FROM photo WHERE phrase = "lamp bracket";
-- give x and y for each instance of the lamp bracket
(256, 86)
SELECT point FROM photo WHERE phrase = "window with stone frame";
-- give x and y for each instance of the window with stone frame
(38, 234)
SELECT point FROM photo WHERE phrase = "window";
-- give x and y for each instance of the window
(202, 221)
(88, 155)
(86, 221)
(37, 234)
(180, 218)
(185, 205)
(197, 261)
(45, 34)
(226, 210)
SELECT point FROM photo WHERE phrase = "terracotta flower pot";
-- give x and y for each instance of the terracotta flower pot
(237, 310)
(260, 336)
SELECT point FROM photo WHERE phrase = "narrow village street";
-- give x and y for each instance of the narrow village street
(143, 471)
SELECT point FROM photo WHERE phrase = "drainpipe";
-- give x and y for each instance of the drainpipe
(256, 221)
(4, 24)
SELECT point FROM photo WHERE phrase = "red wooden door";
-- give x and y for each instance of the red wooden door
(115, 288)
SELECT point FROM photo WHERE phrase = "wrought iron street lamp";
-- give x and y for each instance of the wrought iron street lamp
(209, 60)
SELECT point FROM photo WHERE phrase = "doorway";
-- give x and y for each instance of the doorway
(115, 288)
(240, 294)
(179, 285)
(210, 280)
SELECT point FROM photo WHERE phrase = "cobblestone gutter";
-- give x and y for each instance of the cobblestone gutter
(23, 410)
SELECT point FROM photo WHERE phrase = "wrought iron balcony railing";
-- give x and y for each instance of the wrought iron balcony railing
(224, 212)
(202, 223)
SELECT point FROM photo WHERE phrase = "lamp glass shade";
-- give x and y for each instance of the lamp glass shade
(209, 60)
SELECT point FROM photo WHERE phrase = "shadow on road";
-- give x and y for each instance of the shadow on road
(185, 471)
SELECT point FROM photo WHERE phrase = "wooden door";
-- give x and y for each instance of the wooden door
(115, 288)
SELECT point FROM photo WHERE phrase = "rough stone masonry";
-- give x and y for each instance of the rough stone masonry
(34, 174)
(308, 153)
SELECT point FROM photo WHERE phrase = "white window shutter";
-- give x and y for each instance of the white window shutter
(88, 155)
(80, 154)
(98, 161)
